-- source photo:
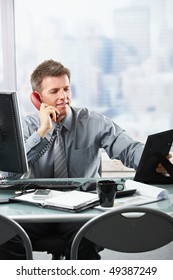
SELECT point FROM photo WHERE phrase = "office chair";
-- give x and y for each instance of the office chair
(129, 230)
(9, 229)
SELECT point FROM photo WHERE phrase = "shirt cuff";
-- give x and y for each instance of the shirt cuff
(32, 141)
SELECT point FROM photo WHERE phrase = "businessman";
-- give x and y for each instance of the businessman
(84, 134)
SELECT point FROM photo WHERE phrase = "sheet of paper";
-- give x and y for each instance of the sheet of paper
(147, 190)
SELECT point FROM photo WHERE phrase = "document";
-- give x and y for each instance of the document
(156, 193)
(144, 194)
(69, 200)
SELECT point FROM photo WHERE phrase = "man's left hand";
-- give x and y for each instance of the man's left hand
(160, 168)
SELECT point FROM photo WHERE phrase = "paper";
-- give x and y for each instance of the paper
(147, 190)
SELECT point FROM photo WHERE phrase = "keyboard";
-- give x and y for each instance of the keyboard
(25, 184)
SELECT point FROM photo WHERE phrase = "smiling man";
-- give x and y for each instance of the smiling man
(84, 134)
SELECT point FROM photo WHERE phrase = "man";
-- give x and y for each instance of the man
(84, 133)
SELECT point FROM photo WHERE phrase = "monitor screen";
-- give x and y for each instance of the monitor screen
(156, 148)
(12, 149)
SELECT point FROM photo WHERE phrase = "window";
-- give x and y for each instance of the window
(7, 46)
(120, 54)
(1, 64)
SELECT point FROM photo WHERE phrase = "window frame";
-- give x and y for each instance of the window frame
(8, 45)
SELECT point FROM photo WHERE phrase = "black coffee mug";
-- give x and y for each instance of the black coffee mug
(106, 190)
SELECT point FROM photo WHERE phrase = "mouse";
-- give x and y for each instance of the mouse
(89, 186)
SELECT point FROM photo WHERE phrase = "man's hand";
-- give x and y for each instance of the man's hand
(47, 114)
(160, 168)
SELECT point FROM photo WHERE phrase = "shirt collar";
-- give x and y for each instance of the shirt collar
(67, 122)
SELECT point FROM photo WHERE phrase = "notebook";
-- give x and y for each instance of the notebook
(74, 201)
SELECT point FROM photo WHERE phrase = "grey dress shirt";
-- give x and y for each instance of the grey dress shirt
(84, 133)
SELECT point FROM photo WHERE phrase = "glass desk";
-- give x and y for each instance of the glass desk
(23, 212)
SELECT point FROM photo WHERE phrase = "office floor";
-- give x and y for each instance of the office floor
(165, 253)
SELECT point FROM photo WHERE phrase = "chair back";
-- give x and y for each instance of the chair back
(129, 229)
(9, 229)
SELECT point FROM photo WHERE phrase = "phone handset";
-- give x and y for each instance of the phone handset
(35, 99)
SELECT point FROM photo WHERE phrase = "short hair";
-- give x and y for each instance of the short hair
(47, 68)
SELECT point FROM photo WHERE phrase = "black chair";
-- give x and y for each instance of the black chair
(129, 230)
(9, 229)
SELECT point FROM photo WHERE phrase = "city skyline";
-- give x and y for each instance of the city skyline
(120, 65)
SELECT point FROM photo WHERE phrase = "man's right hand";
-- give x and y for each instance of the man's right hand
(47, 114)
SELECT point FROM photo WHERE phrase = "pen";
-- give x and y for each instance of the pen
(24, 191)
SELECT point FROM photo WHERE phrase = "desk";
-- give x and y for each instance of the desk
(30, 213)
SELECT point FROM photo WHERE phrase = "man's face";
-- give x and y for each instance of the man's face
(56, 92)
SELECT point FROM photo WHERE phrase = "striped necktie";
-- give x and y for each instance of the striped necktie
(60, 164)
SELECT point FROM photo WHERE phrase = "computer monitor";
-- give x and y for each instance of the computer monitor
(156, 148)
(12, 150)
